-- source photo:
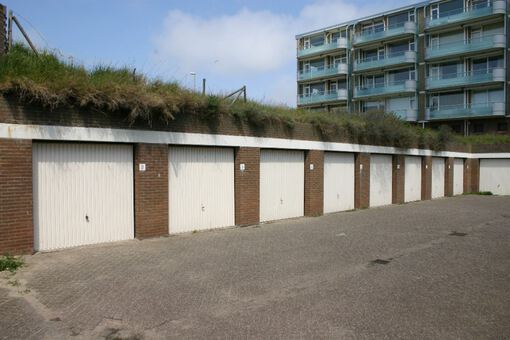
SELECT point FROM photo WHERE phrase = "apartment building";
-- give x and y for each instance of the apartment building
(433, 63)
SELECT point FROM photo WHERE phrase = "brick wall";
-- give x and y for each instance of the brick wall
(151, 190)
(362, 181)
(16, 225)
(398, 180)
(247, 186)
(426, 178)
(314, 183)
(448, 176)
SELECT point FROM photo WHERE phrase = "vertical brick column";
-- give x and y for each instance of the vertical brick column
(16, 225)
(314, 183)
(448, 177)
(426, 178)
(362, 181)
(420, 63)
(398, 182)
(247, 186)
(472, 175)
(3, 32)
(151, 190)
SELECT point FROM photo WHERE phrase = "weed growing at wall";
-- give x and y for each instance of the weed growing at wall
(10, 263)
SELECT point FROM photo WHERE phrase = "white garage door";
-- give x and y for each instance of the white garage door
(495, 176)
(338, 182)
(438, 168)
(412, 190)
(201, 188)
(380, 180)
(83, 194)
(458, 176)
(282, 188)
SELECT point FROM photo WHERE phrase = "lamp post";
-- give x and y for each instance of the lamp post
(194, 81)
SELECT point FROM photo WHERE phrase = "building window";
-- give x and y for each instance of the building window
(502, 127)
(478, 128)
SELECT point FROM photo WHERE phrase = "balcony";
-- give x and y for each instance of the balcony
(409, 115)
(393, 31)
(324, 48)
(462, 15)
(466, 79)
(399, 58)
(466, 111)
(323, 72)
(468, 46)
(390, 89)
(322, 97)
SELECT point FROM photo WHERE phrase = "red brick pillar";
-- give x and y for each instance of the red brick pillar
(314, 183)
(448, 177)
(362, 181)
(398, 182)
(247, 186)
(151, 190)
(16, 225)
(472, 175)
(426, 178)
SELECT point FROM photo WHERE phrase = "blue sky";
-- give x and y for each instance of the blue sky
(231, 43)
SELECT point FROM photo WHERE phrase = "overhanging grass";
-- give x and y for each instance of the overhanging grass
(48, 81)
(484, 139)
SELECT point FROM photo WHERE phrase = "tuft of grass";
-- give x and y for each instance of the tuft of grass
(482, 193)
(10, 263)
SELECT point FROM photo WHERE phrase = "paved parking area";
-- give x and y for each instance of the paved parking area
(303, 278)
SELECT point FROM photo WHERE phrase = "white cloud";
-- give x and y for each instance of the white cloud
(237, 49)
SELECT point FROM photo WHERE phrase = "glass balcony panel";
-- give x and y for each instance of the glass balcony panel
(319, 72)
(340, 43)
(376, 34)
(466, 78)
(408, 57)
(475, 11)
(385, 89)
(466, 46)
(466, 111)
(322, 96)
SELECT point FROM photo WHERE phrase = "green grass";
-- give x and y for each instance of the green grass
(482, 193)
(52, 83)
(484, 139)
(10, 263)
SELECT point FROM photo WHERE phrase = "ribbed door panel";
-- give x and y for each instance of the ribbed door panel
(201, 188)
(83, 194)
(458, 176)
(380, 180)
(438, 172)
(495, 176)
(281, 184)
(412, 179)
(338, 182)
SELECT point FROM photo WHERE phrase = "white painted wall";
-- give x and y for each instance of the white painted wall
(282, 189)
(458, 176)
(495, 176)
(380, 180)
(412, 191)
(438, 172)
(338, 182)
(74, 181)
(201, 188)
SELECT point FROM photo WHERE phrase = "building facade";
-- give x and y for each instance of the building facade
(433, 63)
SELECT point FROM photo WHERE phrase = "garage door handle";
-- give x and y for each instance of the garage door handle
(203, 208)
(87, 218)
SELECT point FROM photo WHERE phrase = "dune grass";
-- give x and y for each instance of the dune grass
(53, 83)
